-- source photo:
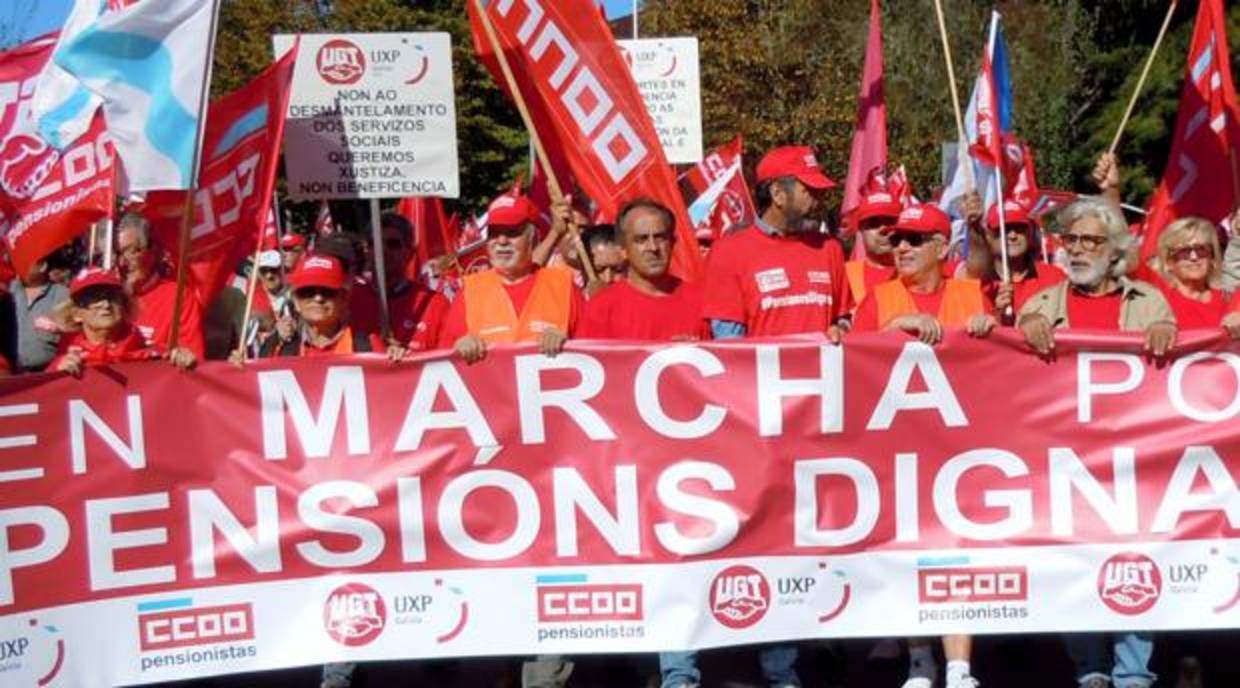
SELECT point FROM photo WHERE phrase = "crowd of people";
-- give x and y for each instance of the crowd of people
(782, 275)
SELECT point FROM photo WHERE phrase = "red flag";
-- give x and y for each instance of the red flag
(434, 234)
(719, 184)
(46, 198)
(241, 147)
(1020, 175)
(271, 231)
(1198, 179)
(323, 224)
(869, 144)
(566, 53)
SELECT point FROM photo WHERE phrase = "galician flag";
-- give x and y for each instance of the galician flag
(148, 62)
(63, 108)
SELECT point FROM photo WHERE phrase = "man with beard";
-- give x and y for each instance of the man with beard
(154, 292)
(921, 301)
(516, 300)
(781, 275)
(1097, 294)
(648, 304)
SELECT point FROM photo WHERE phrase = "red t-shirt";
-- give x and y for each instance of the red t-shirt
(1046, 275)
(155, 305)
(1191, 313)
(1094, 312)
(127, 345)
(776, 285)
(415, 313)
(455, 325)
(622, 312)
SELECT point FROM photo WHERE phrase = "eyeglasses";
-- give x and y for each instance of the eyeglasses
(1089, 242)
(269, 271)
(914, 239)
(315, 292)
(1193, 251)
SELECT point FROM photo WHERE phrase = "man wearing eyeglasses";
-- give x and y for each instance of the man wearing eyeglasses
(1098, 294)
(516, 300)
(921, 301)
(154, 292)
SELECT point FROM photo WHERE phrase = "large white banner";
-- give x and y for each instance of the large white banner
(667, 74)
(372, 115)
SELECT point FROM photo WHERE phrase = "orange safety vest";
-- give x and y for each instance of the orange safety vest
(962, 299)
(489, 313)
(855, 271)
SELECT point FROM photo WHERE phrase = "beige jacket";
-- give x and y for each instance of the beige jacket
(1143, 305)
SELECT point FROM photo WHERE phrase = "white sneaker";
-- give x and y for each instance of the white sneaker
(918, 682)
(964, 682)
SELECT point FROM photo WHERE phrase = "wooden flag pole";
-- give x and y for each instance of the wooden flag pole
(251, 288)
(94, 238)
(553, 184)
(187, 210)
(1149, 62)
(377, 250)
(962, 155)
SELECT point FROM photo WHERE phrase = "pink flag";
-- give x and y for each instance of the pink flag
(323, 224)
(869, 146)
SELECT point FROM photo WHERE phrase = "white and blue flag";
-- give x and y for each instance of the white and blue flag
(62, 109)
(148, 64)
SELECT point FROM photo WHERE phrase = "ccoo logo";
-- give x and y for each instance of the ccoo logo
(354, 614)
(1129, 583)
(739, 596)
(340, 62)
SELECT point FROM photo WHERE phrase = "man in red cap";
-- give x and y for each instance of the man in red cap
(294, 247)
(515, 300)
(320, 298)
(1028, 272)
(415, 313)
(154, 292)
(922, 301)
(781, 275)
(876, 215)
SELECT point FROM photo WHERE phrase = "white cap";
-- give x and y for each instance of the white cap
(269, 259)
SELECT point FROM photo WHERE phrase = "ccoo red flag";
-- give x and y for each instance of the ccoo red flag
(1199, 175)
(566, 54)
(869, 144)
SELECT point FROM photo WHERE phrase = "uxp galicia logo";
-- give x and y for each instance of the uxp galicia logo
(340, 62)
(739, 596)
(1130, 583)
(354, 614)
(32, 658)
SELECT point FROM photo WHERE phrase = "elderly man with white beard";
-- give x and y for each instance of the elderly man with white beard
(1097, 294)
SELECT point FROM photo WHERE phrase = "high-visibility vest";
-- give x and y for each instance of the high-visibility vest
(962, 299)
(855, 271)
(489, 313)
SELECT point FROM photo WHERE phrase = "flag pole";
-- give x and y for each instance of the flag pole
(376, 239)
(187, 210)
(250, 288)
(553, 184)
(110, 221)
(1132, 102)
(962, 155)
(94, 238)
(635, 19)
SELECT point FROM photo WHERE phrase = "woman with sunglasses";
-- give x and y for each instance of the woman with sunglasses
(1189, 268)
(98, 320)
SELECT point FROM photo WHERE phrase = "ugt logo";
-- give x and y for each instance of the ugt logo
(1130, 583)
(340, 62)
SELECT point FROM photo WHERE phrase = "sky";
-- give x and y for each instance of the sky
(22, 20)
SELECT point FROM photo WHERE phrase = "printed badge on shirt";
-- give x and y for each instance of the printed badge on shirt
(772, 280)
(819, 277)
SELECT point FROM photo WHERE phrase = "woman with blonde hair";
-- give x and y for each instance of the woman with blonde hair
(1189, 263)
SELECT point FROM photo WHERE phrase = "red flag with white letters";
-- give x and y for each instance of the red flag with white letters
(566, 53)
(46, 197)
(722, 197)
(241, 148)
(1198, 179)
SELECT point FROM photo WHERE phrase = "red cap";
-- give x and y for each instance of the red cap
(794, 161)
(926, 218)
(293, 241)
(93, 277)
(1014, 213)
(881, 204)
(318, 271)
(511, 210)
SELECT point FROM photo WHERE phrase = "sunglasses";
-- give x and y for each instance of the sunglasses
(1089, 242)
(510, 232)
(269, 271)
(1193, 251)
(914, 239)
(326, 293)
(94, 295)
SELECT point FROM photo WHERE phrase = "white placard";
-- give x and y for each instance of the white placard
(667, 74)
(372, 115)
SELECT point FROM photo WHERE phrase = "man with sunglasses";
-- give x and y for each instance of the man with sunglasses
(921, 301)
(1097, 294)
(516, 300)
(876, 215)
(1028, 272)
(415, 313)
(321, 299)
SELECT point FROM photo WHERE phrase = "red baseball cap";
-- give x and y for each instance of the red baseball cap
(318, 271)
(511, 210)
(293, 241)
(880, 204)
(926, 218)
(794, 161)
(1014, 213)
(93, 277)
